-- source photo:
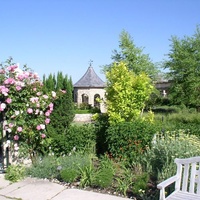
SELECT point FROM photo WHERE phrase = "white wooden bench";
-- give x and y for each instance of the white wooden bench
(187, 180)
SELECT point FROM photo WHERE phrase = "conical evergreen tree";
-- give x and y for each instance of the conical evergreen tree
(60, 80)
(50, 83)
(63, 113)
(69, 99)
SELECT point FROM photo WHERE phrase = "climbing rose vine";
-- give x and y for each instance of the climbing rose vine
(25, 107)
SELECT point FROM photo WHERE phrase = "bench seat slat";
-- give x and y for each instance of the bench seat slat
(179, 195)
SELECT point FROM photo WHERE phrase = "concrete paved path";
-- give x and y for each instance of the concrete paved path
(39, 189)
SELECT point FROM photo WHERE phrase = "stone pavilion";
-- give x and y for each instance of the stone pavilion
(89, 89)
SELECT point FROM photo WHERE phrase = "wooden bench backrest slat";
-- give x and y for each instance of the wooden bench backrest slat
(179, 174)
(198, 182)
(193, 178)
(187, 160)
(185, 177)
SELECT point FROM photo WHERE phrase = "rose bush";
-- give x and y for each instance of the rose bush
(25, 107)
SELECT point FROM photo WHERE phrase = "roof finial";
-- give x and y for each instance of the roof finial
(90, 62)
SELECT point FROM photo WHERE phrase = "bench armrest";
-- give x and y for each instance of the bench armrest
(164, 184)
(167, 182)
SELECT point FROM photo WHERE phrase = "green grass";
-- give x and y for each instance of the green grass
(83, 111)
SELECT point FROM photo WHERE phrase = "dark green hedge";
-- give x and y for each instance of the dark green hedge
(75, 138)
(128, 140)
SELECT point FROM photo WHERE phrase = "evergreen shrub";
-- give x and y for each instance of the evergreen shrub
(101, 126)
(63, 113)
(166, 109)
(128, 140)
(76, 137)
(81, 137)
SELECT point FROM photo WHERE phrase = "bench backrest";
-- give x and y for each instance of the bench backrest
(188, 171)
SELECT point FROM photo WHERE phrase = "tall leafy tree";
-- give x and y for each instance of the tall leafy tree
(133, 56)
(127, 93)
(184, 69)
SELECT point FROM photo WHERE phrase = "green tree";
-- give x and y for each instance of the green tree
(184, 69)
(63, 112)
(126, 93)
(59, 82)
(64, 106)
(49, 83)
(133, 56)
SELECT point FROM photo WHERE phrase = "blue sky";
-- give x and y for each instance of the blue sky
(64, 35)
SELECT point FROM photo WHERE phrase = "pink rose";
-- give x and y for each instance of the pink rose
(34, 99)
(38, 127)
(9, 81)
(8, 100)
(47, 114)
(51, 105)
(10, 125)
(4, 90)
(29, 110)
(19, 129)
(12, 68)
(43, 135)
(35, 76)
(26, 74)
(20, 77)
(47, 120)
(16, 137)
(37, 111)
(18, 88)
(2, 71)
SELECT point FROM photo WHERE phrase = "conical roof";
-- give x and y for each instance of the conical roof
(90, 79)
